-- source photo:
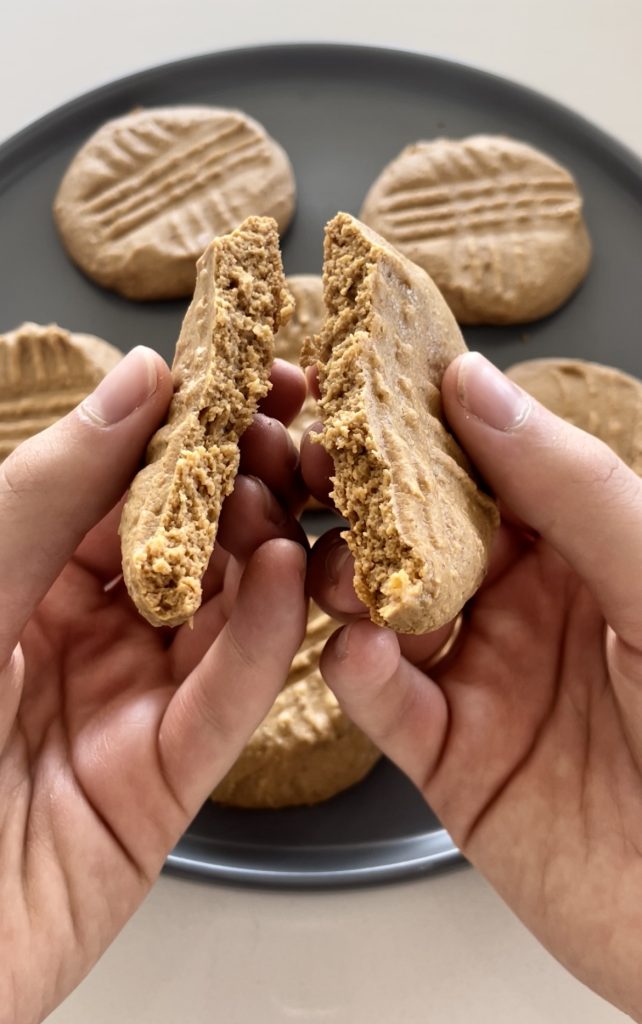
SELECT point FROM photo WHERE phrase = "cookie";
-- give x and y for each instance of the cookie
(496, 223)
(144, 196)
(221, 371)
(44, 373)
(420, 527)
(306, 750)
(599, 399)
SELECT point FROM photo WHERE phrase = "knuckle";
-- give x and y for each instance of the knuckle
(240, 650)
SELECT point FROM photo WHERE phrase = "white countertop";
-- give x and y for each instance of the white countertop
(444, 949)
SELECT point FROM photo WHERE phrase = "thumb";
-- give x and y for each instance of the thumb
(567, 485)
(57, 485)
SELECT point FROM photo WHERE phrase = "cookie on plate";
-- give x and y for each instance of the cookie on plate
(306, 750)
(420, 527)
(45, 371)
(599, 399)
(221, 371)
(497, 224)
(145, 195)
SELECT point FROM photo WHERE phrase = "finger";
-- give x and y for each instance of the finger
(509, 544)
(330, 585)
(12, 676)
(212, 581)
(60, 483)
(563, 482)
(268, 452)
(191, 641)
(312, 381)
(402, 711)
(330, 578)
(100, 551)
(317, 467)
(286, 396)
(213, 714)
(251, 516)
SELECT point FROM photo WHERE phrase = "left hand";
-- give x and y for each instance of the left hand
(112, 733)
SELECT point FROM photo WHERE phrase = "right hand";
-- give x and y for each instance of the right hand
(527, 739)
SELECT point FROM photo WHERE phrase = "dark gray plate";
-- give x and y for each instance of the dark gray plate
(341, 113)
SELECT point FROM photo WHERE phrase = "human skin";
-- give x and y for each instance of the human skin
(113, 733)
(527, 738)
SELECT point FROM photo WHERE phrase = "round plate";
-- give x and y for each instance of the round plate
(341, 112)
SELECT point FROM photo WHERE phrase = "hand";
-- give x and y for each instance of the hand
(527, 738)
(113, 733)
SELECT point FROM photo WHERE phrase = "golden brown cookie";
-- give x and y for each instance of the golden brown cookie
(221, 371)
(305, 750)
(496, 223)
(599, 399)
(148, 191)
(420, 528)
(309, 311)
(44, 373)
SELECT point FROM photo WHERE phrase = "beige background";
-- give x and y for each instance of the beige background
(444, 949)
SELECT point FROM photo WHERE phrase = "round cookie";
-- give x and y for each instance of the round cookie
(146, 194)
(45, 371)
(306, 750)
(496, 223)
(309, 312)
(599, 399)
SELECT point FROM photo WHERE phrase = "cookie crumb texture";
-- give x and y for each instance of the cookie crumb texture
(45, 371)
(496, 223)
(221, 372)
(306, 750)
(420, 527)
(147, 192)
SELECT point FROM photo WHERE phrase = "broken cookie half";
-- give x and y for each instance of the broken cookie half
(420, 527)
(221, 371)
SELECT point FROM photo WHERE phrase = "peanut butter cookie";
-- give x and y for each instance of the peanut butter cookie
(496, 223)
(221, 371)
(45, 371)
(420, 528)
(599, 399)
(147, 192)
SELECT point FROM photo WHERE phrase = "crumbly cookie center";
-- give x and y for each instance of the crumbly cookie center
(362, 481)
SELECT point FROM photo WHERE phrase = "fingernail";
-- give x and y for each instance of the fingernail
(335, 560)
(272, 510)
(341, 643)
(490, 396)
(125, 388)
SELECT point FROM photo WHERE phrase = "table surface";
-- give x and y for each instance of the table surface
(444, 948)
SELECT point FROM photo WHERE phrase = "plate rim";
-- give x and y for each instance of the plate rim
(444, 854)
(11, 148)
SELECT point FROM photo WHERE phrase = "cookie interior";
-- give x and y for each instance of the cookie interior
(220, 372)
(419, 526)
